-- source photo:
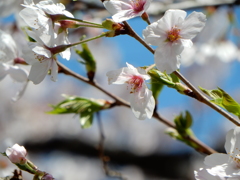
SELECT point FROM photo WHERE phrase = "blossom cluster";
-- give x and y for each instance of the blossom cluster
(49, 35)
(47, 26)
(171, 34)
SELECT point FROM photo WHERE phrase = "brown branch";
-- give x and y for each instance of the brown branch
(63, 69)
(195, 93)
(205, 100)
(67, 71)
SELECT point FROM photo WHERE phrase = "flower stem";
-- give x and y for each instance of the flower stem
(90, 39)
(197, 94)
(82, 21)
(120, 102)
(137, 37)
(205, 100)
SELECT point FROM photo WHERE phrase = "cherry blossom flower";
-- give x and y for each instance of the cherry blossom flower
(123, 10)
(141, 100)
(224, 166)
(44, 17)
(17, 154)
(8, 55)
(171, 34)
(45, 59)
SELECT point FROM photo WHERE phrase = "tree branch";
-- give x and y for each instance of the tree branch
(63, 69)
(196, 94)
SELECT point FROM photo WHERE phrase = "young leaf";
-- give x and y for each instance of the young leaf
(89, 60)
(156, 88)
(82, 106)
(161, 78)
(171, 81)
(86, 119)
(223, 99)
(174, 78)
(183, 123)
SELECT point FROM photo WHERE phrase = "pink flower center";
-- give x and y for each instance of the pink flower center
(138, 5)
(135, 83)
(173, 34)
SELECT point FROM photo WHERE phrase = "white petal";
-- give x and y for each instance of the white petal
(154, 35)
(203, 174)
(192, 25)
(39, 71)
(116, 6)
(18, 74)
(8, 48)
(63, 39)
(30, 16)
(186, 43)
(125, 15)
(230, 141)
(117, 76)
(173, 18)
(142, 103)
(41, 50)
(20, 91)
(3, 70)
(28, 2)
(233, 141)
(143, 74)
(167, 57)
(36, 37)
(216, 159)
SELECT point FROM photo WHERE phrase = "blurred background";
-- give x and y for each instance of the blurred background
(139, 150)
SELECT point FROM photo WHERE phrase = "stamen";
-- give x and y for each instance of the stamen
(173, 34)
(135, 83)
(138, 5)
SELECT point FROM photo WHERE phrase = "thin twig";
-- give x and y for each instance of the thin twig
(67, 71)
(197, 94)
(137, 37)
(205, 100)
(202, 147)
(102, 156)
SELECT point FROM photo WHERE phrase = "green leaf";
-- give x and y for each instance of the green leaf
(82, 106)
(156, 89)
(174, 78)
(176, 135)
(183, 123)
(86, 119)
(88, 60)
(161, 78)
(223, 99)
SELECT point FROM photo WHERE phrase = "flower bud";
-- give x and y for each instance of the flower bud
(17, 154)
(111, 25)
(47, 177)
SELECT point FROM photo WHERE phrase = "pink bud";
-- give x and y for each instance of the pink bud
(17, 154)
(47, 177)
